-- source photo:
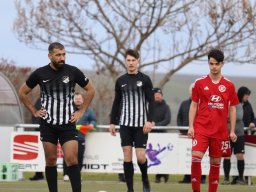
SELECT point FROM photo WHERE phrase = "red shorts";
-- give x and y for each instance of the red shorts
(201, 143)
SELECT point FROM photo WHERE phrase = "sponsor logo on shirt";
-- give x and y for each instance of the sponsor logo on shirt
(222, 88)
(139, 83)
(123, 85)
(215, 102)
(44, 81)
(215, 98)
(206, 88)
(65, 79)
(215, 105)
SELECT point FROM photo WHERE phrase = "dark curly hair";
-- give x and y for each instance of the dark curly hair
(217, 54)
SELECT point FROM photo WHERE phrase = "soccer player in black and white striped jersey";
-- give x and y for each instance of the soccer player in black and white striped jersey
(57, 81)
(134, 101)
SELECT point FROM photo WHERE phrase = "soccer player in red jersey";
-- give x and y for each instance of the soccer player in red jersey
(213, 97)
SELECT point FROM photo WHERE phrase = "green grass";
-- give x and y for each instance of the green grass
(109, 183)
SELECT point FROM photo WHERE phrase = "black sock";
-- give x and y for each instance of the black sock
(240, 167)
(128, 173)
(226, 167)
(51, 178)
(144, 170)
(75, 177)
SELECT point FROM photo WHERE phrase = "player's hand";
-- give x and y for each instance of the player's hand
(76, 116)
(147, 127)
(251, 125)
(191, 132)
(40, 113)
(233, 136)
(112, 130)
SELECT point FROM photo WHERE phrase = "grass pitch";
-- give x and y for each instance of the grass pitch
(109, 183)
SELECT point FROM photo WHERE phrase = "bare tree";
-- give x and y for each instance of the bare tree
(169, 33)
(16, 75)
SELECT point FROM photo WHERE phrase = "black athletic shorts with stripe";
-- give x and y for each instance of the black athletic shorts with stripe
(238, 146)
(133, 136)
(54, 133)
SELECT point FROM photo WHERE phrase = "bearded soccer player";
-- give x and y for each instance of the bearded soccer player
(57, 82)
(213, 97)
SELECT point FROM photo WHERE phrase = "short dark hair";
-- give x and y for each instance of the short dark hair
(55, 45)
(217, 54)
(132, 53)
(241, 92)
(157, 90)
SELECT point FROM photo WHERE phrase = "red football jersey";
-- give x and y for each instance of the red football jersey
(213, 101)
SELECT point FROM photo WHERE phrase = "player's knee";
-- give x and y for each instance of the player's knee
(51, 160)
(198, 154)
(127, 157)
(240, 156)
(215, 160)
(71, 160)
(141, 159)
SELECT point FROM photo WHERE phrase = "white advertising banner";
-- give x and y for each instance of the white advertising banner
(6, 132)
(27, 151)
(167, 153)
(108, 156)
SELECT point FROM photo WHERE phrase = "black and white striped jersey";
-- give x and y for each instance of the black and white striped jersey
(57, 91)
(133, 100)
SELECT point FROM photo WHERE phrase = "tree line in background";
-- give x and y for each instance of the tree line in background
(169, 34)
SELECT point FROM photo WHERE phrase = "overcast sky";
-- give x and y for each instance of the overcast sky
(22, 55)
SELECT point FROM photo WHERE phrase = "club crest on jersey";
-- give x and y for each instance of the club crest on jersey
(65, 79)
(222, 88)
(139, 83)
(194, 142)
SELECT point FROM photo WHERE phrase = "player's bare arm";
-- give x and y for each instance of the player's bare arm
(232, 116)
(112, 129)
(90, 91)
(147, 127)
(23, 94)
(192, 115)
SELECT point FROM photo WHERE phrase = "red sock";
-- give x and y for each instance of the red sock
(214, 176)
(196, 172)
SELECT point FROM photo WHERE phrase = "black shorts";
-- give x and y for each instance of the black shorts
(133, 136)
(54, 133)
(238, 146)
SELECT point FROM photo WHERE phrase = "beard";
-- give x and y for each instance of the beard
(58, 65)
